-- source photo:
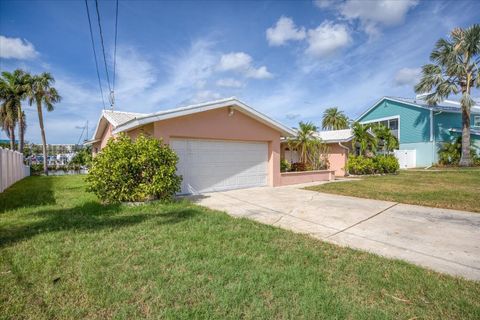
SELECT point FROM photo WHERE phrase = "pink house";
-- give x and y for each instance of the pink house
(223, 144)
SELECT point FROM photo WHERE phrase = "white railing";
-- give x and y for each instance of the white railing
(12, 168)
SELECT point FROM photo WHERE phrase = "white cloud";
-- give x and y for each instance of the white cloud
(407, 76)
(373, 13)
(284, 30)
(241, 62)
(235, 61)
(327, 39)
(229, 83)
(324, 3)
(16, 48)
(204, 95)
(134, 74)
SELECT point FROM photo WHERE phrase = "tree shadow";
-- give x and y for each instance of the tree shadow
(93, 216)
(29, 192)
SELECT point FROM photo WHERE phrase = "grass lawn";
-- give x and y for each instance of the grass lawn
(64, 255)
(451, 189)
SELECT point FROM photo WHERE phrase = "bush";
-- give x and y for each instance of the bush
(386, 164)
(360, 165)
(36, 169)
(139, 170)
(299, 166)
(284, 165)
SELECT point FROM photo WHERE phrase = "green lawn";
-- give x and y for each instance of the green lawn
(64, 255)
(451, 189)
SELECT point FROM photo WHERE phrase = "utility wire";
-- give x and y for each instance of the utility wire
(103, 45)
(114, 56)
(95, 54)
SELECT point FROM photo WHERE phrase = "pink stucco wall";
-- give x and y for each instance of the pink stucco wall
(289, 178)
(218, 124)
(337, 157)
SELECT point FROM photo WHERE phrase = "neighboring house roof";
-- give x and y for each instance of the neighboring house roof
(124, 121)
(196, 108)
(445, 106)
(332, 136)
(115, 118)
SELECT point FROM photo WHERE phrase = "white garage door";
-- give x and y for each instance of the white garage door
(215, 165)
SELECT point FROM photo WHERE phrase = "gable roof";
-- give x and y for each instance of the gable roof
(331, 136)
(115, 118)
(196, 108)
(445, 106)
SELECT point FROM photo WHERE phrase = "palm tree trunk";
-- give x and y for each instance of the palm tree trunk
(12, 138)
(44, 140)
(21, 130)
(465, 160)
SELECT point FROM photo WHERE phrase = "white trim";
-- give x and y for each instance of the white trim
(431, 125)
(386, 119)
(230, 102)
(474, 121)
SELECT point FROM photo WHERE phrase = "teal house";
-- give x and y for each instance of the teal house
(421, 128)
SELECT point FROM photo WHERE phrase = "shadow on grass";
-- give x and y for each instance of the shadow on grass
(93, 216)
(29, 192)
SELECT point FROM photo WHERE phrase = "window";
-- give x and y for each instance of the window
(392, 124)
(476, 121)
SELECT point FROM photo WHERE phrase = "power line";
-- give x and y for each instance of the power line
(95, 53)
(103, 46)
(115, 55)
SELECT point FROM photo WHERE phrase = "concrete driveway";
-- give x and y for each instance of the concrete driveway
(443, 240)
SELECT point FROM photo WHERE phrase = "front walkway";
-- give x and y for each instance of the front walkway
(444, 240)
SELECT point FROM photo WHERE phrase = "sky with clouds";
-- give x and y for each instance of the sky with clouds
(288, 59)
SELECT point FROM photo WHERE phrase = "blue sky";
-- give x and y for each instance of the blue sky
(290, 60)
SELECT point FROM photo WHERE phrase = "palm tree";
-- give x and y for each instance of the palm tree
(8, 120)
(303, 139)
(334, 119)
(363, 138)
(12, 92)
(40, 90)
(385, 139)
(455, 69)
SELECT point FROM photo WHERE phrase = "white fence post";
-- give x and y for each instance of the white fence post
(12, 168)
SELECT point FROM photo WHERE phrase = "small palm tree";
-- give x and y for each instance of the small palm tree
(455, 69)
(363, 138)
(385, 139)
(334, 119)
(12, 92)
(305, 135)
(40, 90)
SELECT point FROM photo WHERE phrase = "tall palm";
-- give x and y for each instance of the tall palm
(303, 139)
(12, 89)
(41, 91)
(455, 69)
(334, 119)
(363, 138)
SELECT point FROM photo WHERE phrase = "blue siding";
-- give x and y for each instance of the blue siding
(414, 121)
(444, 121)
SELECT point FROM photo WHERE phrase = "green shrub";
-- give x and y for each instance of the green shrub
(138, 170)
(284, 165)
(36, 169)
(360, 165)
(386, 164)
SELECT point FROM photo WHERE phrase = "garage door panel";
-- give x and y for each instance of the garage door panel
(214, 165)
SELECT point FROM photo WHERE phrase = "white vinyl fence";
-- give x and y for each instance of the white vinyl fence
(12, 168)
